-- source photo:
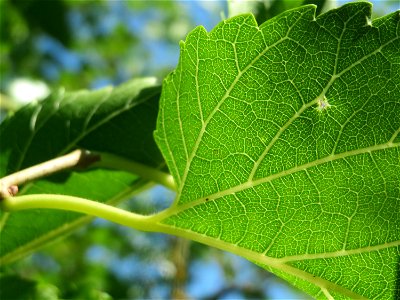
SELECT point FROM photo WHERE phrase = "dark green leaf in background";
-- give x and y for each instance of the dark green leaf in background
(119, 121)
(48, 16)
(13, 287)
(284, 143)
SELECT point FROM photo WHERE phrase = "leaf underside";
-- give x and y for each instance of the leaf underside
(118, 120)
(284, 143)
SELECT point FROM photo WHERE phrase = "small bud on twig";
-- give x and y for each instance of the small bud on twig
(79, 158)
(13, 190)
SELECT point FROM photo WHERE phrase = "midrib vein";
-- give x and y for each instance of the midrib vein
(339, 253)
(251, 184)
(257, 257)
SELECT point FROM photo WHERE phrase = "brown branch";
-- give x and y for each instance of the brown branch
(78, 158)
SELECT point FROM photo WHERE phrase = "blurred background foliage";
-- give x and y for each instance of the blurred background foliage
(91, 44)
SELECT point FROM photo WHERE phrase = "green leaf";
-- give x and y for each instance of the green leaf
(14, 287)
(284, 143)
(119, 121)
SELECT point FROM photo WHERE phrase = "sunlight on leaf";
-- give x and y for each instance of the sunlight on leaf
(284, 142)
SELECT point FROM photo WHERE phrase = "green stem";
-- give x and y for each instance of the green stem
(111, 161)
(80, 205)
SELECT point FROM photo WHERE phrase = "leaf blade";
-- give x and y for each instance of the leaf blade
(276, 138)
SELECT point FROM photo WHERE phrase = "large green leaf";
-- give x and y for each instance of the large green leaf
(119, 121)
(284, 143)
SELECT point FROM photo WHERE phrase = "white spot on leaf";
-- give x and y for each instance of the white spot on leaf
(323, 104)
